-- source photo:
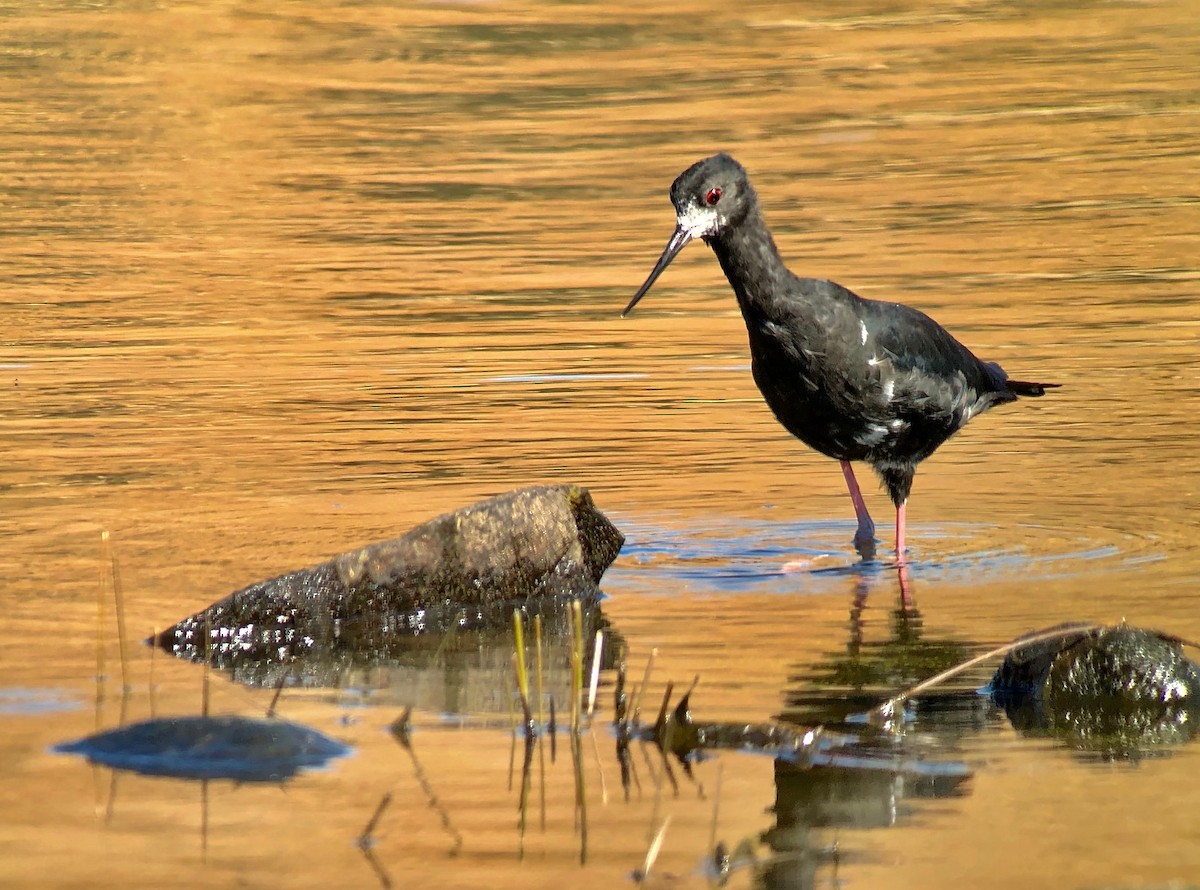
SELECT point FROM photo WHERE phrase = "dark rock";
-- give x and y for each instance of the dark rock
(467, 570)
(1114, 691)
(1026, 668)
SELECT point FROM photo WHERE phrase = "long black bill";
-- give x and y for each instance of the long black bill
(679, 240)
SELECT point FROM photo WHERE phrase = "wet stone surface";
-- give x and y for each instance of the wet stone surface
(1115, 692)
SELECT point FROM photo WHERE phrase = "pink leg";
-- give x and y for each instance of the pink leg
(900, 523)
(864, 537)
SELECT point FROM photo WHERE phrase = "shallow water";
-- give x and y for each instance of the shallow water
(280, 282)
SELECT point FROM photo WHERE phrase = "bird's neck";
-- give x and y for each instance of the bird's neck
(752, 264)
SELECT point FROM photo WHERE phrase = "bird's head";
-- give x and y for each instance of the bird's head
(710, 196)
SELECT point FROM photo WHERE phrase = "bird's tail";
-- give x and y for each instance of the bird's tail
(1021, 388)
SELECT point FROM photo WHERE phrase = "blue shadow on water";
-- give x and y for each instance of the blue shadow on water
(26, 701)
(243, 749)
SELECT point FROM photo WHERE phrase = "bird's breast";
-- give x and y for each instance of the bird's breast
(810, 391)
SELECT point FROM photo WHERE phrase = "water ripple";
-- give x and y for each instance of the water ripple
(730, 555)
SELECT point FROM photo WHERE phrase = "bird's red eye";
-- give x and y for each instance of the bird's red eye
(713, 196)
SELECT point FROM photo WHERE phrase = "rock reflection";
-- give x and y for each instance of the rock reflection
(860, 794)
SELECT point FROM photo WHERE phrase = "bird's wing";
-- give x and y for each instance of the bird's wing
(918, 345)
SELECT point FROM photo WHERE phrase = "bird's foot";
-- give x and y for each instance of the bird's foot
(864, 542)
(806, 563)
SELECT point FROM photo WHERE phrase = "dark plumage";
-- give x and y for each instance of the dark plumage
(854, 379)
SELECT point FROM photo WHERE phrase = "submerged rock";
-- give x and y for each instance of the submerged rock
(1115, 691)
(461, 572)
(240, 748)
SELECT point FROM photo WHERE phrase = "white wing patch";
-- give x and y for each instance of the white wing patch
(872, 435)
(862, 330)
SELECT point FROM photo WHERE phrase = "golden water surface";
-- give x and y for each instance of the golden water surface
(281, 279)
